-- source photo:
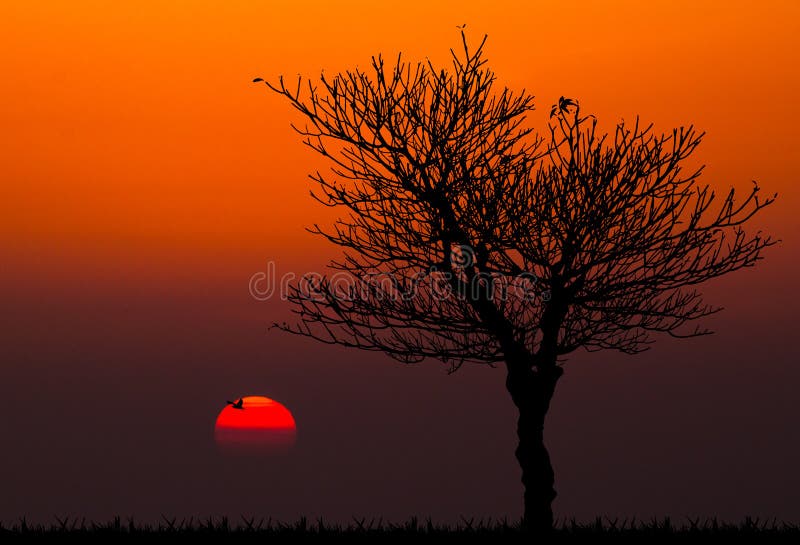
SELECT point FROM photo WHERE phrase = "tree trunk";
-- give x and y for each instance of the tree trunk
(531, 391)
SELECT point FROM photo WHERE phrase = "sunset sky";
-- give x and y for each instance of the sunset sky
(144, 179)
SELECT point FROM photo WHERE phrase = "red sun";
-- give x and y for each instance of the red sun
(260, 426)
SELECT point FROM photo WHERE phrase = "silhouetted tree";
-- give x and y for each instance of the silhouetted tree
(467, 238)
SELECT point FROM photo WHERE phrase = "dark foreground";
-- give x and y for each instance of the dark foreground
(364, 530)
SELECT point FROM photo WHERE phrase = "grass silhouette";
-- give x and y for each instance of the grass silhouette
(252, 529)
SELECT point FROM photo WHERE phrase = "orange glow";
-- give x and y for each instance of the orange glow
(131, 130)
(260, 426)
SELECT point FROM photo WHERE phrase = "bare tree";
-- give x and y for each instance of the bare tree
(467, 238)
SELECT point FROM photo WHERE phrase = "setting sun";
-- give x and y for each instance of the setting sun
(255, 424)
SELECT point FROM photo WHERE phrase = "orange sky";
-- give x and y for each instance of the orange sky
(131, 128)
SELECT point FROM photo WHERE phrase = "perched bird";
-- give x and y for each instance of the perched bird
(565, 103)
(562, 106)
(256, 80)
(238, 404)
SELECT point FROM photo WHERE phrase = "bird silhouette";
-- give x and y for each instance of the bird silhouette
(256, 80)
(238, 404)
(562, 106)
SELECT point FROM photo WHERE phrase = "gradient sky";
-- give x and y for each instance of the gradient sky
(144, 179)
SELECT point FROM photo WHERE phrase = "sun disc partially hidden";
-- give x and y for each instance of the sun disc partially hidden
(260, 426)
